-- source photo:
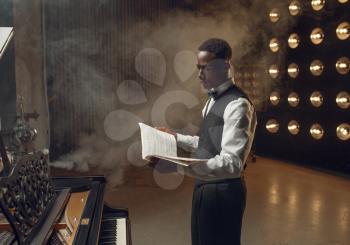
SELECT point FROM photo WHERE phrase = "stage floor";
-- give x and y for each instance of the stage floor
(286, 205)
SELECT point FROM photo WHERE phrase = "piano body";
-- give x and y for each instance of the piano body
(88, 219)
(40, 209)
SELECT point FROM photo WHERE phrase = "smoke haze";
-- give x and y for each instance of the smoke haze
(106, 73)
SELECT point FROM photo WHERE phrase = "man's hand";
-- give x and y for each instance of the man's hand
(166, 130)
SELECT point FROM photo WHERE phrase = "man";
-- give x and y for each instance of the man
(225, 138)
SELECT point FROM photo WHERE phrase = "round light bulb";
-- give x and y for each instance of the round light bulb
(293, 127)
(294, 8)
(293, 40)
(272, 126)
(343, 31)
(318, 4)
(317, 36)
(293, 99)
(274, 71)
(343, 100)
(316, 99)
(255, 84)
(275, 98)
(293, 70)
(274, 15)
(274, 45)
(238, 74)
(316, 131)
(343, 65)
(316, 67)
(343, 131)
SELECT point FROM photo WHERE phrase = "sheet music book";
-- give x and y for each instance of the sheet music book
(161, 145)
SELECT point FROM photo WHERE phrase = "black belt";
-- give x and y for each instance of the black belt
(219, 181)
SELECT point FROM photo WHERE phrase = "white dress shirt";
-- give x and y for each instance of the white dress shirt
(237, 137)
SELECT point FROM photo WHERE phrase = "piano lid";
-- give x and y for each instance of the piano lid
(6, 34)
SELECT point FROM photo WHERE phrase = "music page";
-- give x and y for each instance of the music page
(158, 144)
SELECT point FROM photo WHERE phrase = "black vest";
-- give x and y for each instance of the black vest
(210, 132)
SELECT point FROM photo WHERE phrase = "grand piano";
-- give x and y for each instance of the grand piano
(39, 209)
(36, 208)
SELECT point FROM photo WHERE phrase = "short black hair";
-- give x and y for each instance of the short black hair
(217, 46)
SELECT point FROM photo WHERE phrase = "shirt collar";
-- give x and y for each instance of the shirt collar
(219, 90)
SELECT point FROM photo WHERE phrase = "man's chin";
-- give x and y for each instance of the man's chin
(205, 85)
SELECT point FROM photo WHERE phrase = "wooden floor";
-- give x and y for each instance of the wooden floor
(287, 205)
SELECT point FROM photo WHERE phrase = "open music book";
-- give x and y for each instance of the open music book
(161, 145)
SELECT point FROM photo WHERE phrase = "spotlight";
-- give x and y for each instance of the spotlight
(255, 84)
(293, 127)
(274, 45)
(293, 70)
(238, 74)
(343, 100)
(317, 36)
(316, 131)
(256, 93)
(255, 101)
(316, 99)
(293, 99)
(246, 75)
(343, 65)
(247, 85)
(343, 30)
(274, 71)
(317, 4)
(293, 40)
(294, 8)
(275, 98)
(343, 131)
(274, 15)
(343, 1)
(272, 126)
(316, 67)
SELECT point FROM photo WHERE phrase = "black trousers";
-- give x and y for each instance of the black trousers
(217, 212)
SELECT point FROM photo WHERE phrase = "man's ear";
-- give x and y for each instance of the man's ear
(230, 70)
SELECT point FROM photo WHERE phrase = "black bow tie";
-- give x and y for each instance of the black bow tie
(212, 93)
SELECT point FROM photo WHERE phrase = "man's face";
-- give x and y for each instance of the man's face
(211, 72)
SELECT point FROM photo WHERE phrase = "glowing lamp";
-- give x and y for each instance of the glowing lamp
(275, 98)
(294, 8)
(316, 67)
(274, 15)
(317, 36)
(293, 127)
(316, 99)
(293, 99)
(343, 65)
(293, 40)
(274, 71)
(316, 131)
(343, 100)
(272, 126)
(317, 5)
(293, 70)
(343, 131)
